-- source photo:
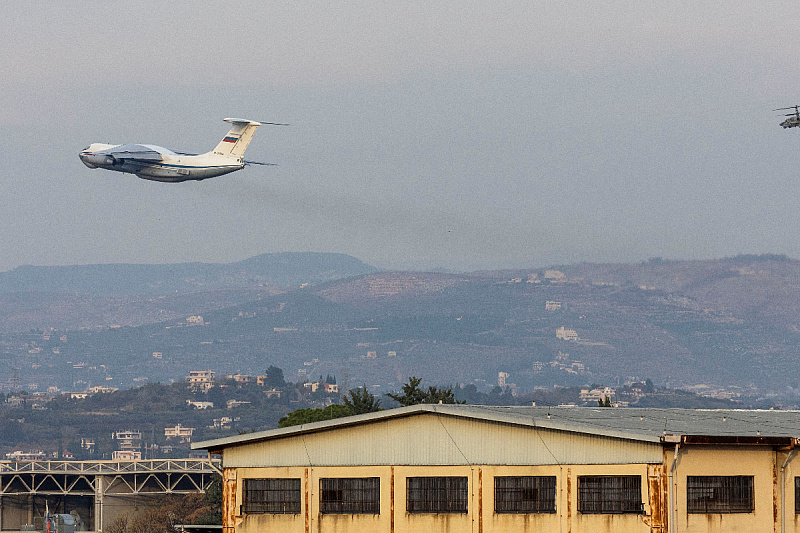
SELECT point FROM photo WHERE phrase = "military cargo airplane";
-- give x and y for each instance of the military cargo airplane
(161, 164)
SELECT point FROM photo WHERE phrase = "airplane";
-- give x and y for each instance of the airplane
(794, 118)
(156, 163)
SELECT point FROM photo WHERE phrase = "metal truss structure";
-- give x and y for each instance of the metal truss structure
(107, 478)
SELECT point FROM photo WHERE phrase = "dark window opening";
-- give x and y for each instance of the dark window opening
(274, 495)
(358, 495)
(797, 495)
(610, 494)
(720, 494)
(525, 494)
(437, 494)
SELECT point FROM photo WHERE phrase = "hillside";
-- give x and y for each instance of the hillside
(725, 327)
(71, 297)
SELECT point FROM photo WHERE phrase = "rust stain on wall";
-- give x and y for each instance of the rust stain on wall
(307, 499)
(658, 497)
(569, 500)
(391, 505)
(775, 495)
(229, 500)
(480, 500)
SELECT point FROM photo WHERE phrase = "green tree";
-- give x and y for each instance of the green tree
(362, 401)
(306, 416)
(414, 395)
(275, 377)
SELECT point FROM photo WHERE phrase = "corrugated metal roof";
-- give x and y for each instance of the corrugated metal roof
(648, 425)
(438, 439)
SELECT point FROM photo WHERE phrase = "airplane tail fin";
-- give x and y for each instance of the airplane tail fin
(236, 140)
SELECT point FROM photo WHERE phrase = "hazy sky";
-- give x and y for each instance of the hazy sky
(457, 134)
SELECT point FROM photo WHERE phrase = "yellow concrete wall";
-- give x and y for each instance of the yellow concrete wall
(480, 517)
(761, 462)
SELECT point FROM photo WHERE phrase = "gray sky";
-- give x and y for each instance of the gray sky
(456, 134)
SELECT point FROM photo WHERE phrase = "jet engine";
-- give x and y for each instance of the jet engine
(94, 161)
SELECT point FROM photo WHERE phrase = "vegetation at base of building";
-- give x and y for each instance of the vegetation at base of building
(413, 394)
(195, 509)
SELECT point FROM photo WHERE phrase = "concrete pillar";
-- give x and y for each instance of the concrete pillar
(98, 502)
(30, 509)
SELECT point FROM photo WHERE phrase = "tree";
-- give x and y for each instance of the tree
(414, 395)
(362, 401)
(275, 377)
(306, 416)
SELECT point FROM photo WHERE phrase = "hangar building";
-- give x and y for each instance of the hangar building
(487, 469)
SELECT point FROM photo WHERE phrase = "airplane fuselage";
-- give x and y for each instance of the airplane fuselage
(173, 167)
(156, 163)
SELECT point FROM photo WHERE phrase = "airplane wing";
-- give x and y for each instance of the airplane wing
(137, 152)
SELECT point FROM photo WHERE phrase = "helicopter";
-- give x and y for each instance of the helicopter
(794, 118)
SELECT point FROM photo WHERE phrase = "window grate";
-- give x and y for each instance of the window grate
(272, 495)
(359, 495)
(436, 494)
(720, 494)
(525, 494)
(797, 495)
(610, 494)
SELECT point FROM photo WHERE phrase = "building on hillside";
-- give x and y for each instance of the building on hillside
(200, 405)
(566, 334)
(179, 432)
(37, 455)
(126, 455)
(498, 469)
(100, 389)
(554, 276)
(87, 445)
(501, 379)
(128, 441)
(200, 380)
(598, 394)
(552, 305)
(195, 320)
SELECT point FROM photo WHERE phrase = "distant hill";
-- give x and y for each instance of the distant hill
(281, 270)
(727, 326)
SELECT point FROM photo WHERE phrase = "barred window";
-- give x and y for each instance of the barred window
(274, 495)
(797, 495)
(720, 494)
(357, 495)
(610, 494)
(525, 494)
(436, 494)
